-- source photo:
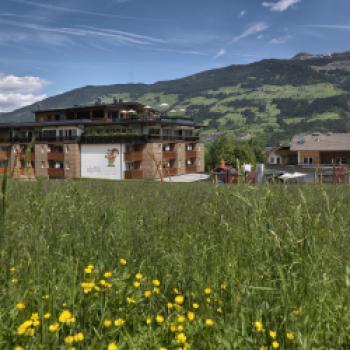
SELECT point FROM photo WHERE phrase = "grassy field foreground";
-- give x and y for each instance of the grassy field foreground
(103, 265)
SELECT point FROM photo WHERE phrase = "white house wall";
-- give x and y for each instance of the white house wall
(103, 161)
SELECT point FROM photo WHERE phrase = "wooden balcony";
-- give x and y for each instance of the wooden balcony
(191, 154)
(133, 174)
(3, 155)
(53, 172)
(55, 156)
(133, 157)
(191, 169)
(169, 172)
(169, 155)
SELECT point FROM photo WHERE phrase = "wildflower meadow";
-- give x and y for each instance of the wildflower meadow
(105, 265)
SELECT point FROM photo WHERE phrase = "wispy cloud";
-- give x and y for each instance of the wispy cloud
(242, 14)
(84, 12)
(220, 53)
(16, 92)
(251, 30)
(115, 35)
(280, 40)
(280, 5)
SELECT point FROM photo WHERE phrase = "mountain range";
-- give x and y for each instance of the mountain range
(270, 100)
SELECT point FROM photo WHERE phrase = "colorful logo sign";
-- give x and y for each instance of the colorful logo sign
(111, 156)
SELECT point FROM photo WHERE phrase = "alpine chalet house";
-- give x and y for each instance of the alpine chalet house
(313, 150)
(123, 140)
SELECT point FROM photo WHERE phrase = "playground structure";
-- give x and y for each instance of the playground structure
(223, 174)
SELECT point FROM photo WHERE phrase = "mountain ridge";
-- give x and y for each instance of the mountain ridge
(270, 99)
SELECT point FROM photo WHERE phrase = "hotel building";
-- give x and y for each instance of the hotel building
(123, 140)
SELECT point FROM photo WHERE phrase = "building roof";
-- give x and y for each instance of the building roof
(321, 142)
(118, 105)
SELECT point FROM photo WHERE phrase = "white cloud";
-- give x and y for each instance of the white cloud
(242, 13)
(16, 92)
(252, 30)
(280, 40)
(220, 53)
(280, 5)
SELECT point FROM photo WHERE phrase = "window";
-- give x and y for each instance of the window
(278, 160)
(83, 115)
(98, 114)
(167, 132)
(308, 160)
(272, 160)
(155, 132)
(341, 160)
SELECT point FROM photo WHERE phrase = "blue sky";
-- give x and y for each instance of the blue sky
(47, 47)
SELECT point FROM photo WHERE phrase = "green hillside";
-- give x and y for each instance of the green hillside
(270, 100)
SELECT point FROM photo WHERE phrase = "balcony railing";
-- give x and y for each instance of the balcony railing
(44, 138)
(169, 171)
(55, 156)
(53, 172)
(133, 174)
(169, 154)
(191, 169)
(173, 138)
(191, 154)
(122, 138)
(133, 156)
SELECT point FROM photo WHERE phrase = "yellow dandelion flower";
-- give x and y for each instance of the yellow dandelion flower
(296, 312)
(136, 284)
(66, 317)
(191, 315)
(290, 336)
(195, 306)
(259, 326)
(72, 348)
(89, 269)
(176, 291)
(54, 327)
(47, 316)
(139, 276)
(20, 306)
(275, 344)
(207, 291)
(208, 300)
(223, 285)
(14, 280)
(209, 322)
(12, 269)
(122, 261)
(181, 338)
(18, 347)
(147, 293)
(179, 299)
(107, 323)
(170, 306)
(156, 283)
(45, 297)
(172, 328)
(162, 348)
(263, 347)
(119, 322)
(79, 337)
(107, 274)
(160, 319)
(130, 300)
(273, 334)
(180, 328)
(156, 290)
(181, 319)
(148, 320)
(112, 346)
(108, 285)
(102, 282)
(69, 339)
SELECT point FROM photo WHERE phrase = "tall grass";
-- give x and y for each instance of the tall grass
(277, 255)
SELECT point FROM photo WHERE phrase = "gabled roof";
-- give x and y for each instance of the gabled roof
(321, 142)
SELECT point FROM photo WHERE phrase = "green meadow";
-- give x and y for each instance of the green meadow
(142, 265)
